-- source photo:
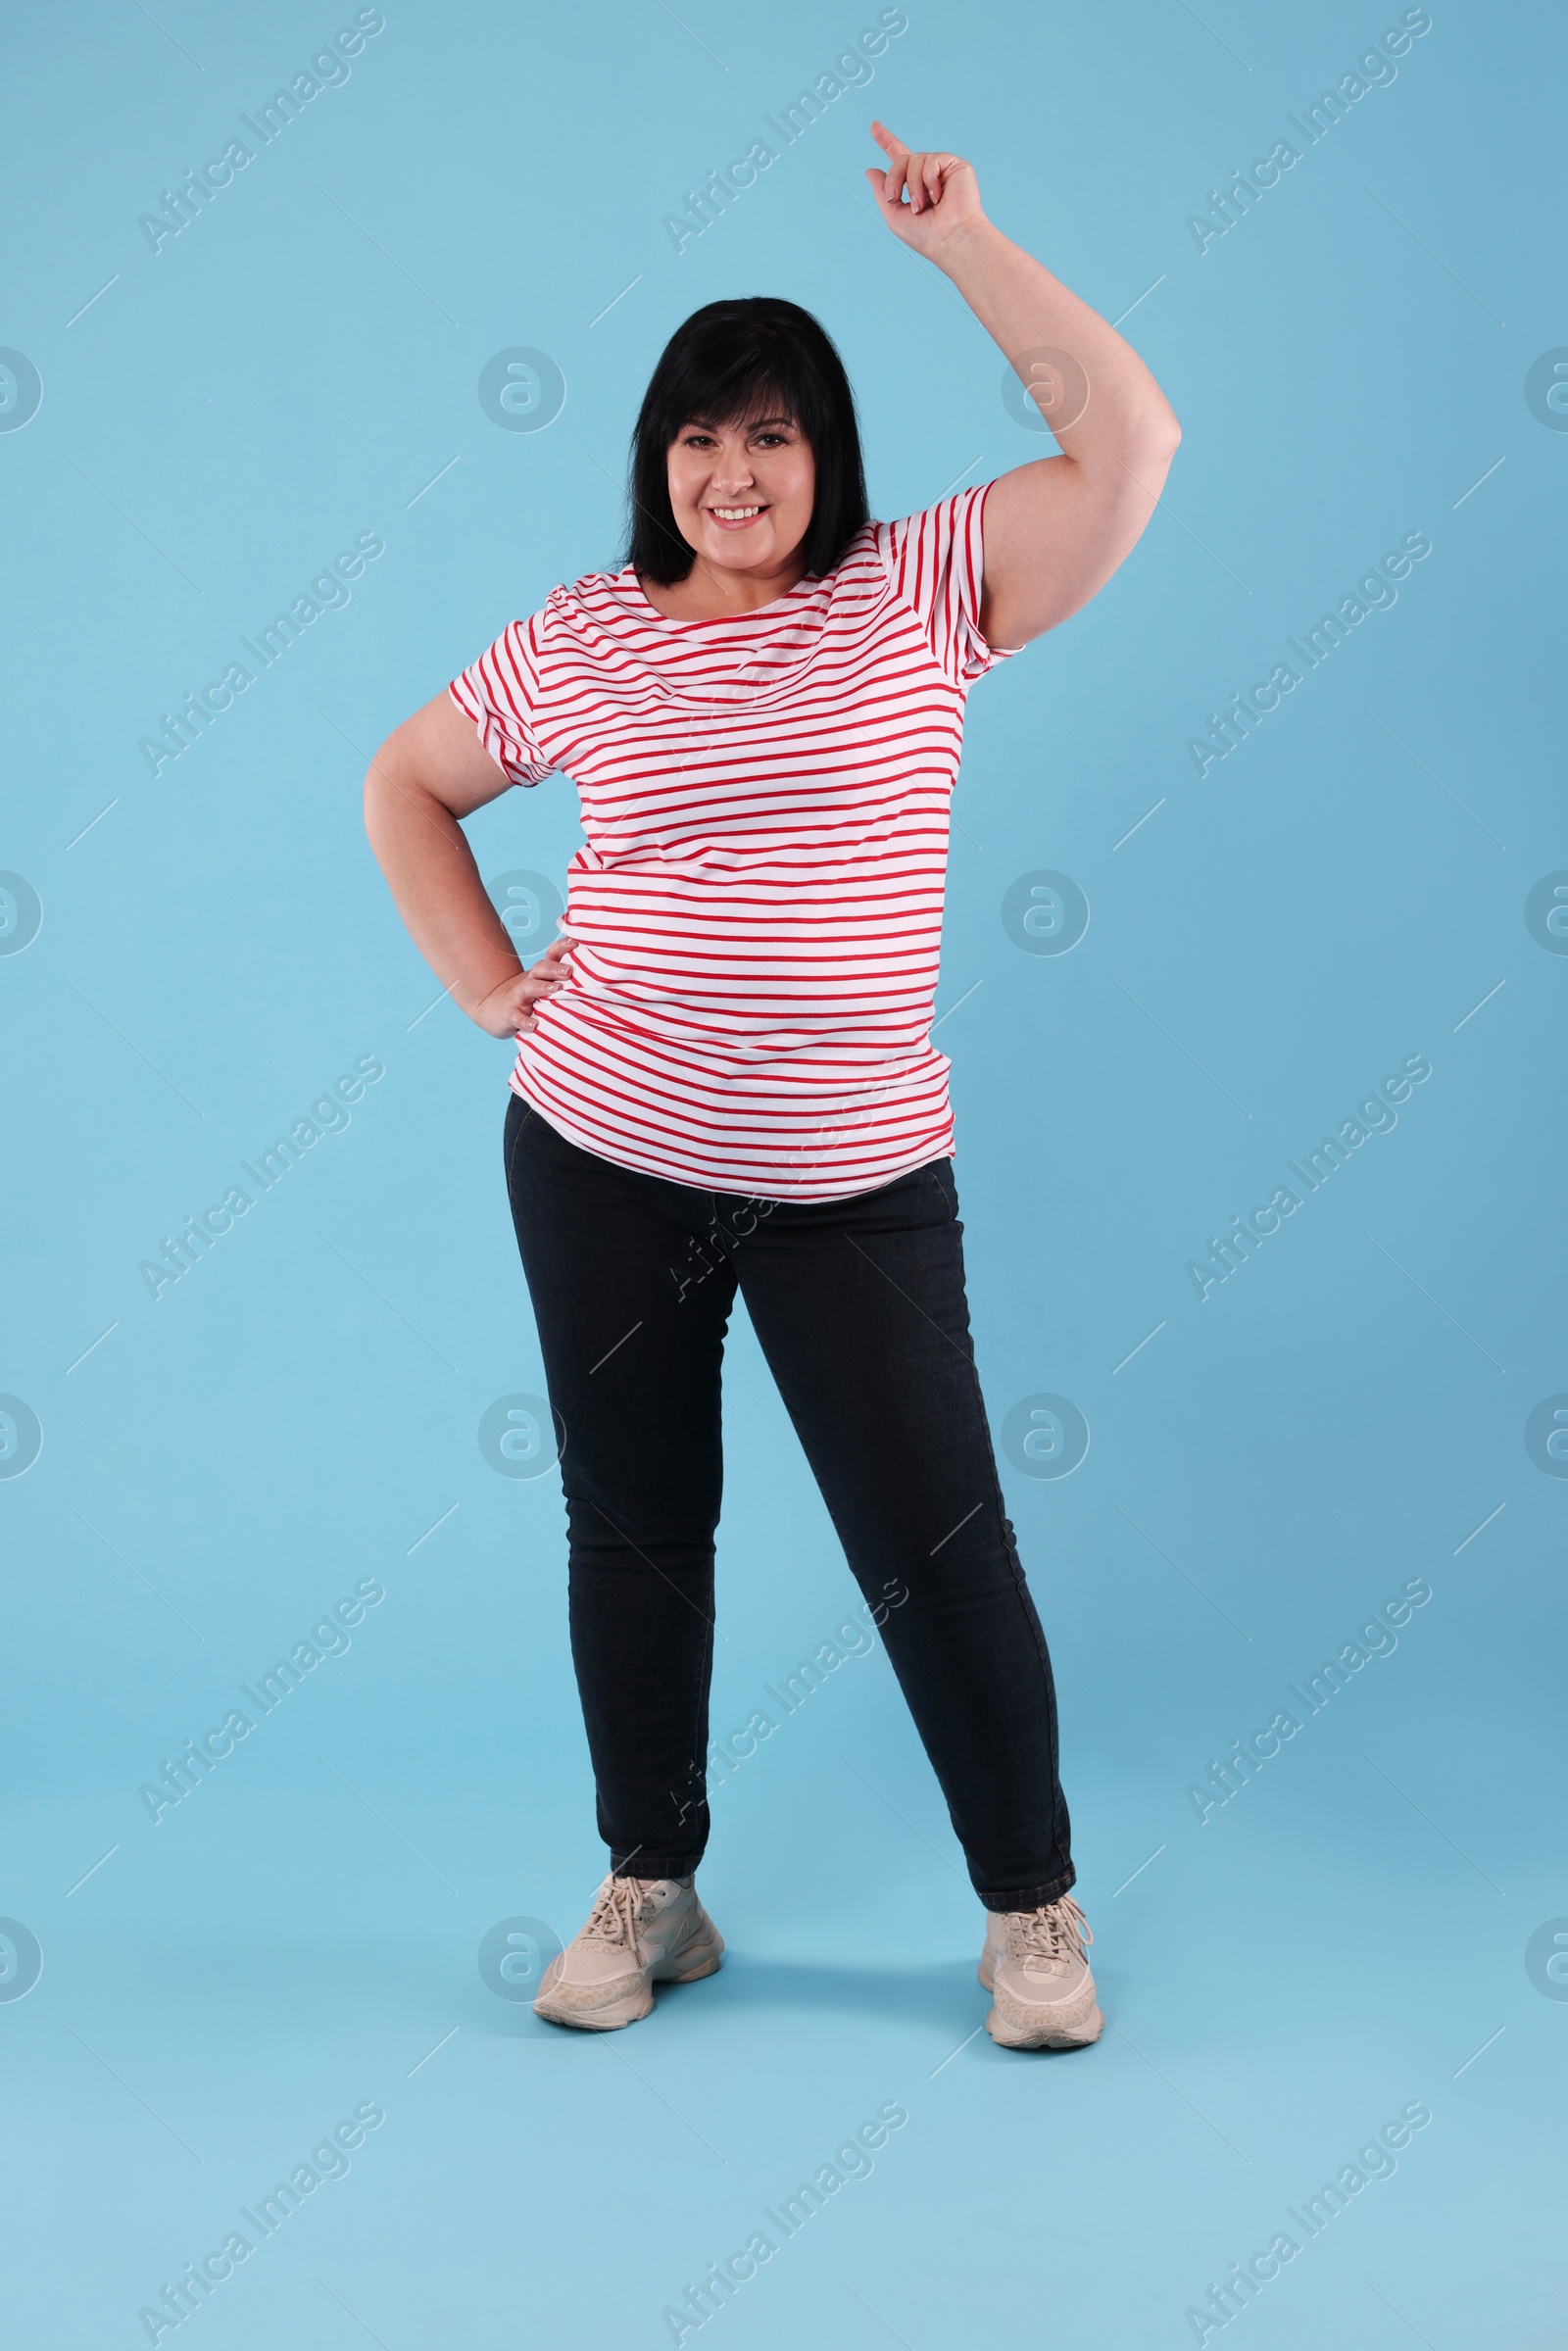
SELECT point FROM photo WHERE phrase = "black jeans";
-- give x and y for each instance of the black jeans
(859, 1305)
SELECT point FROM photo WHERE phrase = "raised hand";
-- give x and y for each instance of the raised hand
(943, 193)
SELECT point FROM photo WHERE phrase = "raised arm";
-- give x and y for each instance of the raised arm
(1056, 531)
(429, 772)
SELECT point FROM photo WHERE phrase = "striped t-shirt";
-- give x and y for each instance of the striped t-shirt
(758, 905)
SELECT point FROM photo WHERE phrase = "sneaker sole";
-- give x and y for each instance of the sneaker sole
(1020, 2024)
(699, 1958)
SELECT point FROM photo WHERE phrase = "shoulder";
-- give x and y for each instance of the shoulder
(861, 571)
(952, 518)
(604, 599)
(596, 595)
(936, 556)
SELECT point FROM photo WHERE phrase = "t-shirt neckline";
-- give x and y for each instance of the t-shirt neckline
(651, 612)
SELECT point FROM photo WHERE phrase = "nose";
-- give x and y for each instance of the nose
(734, 470)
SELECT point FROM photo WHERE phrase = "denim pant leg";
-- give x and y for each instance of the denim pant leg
(859, 1306)
(631, 1303)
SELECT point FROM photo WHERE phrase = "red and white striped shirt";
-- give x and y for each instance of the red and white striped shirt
(757, 905)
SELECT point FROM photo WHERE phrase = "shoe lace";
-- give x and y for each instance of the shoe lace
(620, 1907)
(1054, 1933)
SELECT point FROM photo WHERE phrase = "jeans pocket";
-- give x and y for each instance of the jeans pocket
(941, 1174)
(518, 1115)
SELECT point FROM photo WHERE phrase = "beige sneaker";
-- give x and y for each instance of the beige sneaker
(1037, 1971)
(640, 1932)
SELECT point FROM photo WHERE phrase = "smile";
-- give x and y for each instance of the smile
(734, 514)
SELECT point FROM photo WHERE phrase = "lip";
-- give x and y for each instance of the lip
(721, 522)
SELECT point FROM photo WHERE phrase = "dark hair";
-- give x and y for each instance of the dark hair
(728, 361)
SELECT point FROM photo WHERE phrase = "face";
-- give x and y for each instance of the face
(742, 494)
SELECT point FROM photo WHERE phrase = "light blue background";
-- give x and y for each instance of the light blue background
(1348, 362)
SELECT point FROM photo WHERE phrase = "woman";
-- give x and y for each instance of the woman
(725, 1078)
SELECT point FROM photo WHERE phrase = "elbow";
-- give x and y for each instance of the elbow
(380, 785)
(1144, 447)
(1151, 426)
(1158, 448)
(1162, 434)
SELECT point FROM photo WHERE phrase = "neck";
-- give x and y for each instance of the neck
(708, 592)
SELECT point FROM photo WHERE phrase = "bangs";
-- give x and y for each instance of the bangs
(767, 400)
(743, 396)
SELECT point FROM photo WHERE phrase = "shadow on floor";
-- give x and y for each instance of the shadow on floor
(943, 1996)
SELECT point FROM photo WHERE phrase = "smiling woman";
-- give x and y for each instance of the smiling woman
(761, 711)
(756, 477)
(747, 431)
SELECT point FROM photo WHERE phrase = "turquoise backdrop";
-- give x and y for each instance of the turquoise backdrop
(369, 358)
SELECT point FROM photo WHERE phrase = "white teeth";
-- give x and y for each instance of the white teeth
(735, 513)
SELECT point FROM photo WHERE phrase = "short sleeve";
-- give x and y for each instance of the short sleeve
(500, 693)
(935, 561)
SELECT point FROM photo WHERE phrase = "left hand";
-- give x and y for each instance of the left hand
(943, 191)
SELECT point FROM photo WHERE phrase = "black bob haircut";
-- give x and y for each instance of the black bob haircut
(730, 361)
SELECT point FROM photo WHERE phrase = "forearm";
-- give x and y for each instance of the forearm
(431, 871)
(1024, 308)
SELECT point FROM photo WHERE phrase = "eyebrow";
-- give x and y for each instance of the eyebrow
(756, 423)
